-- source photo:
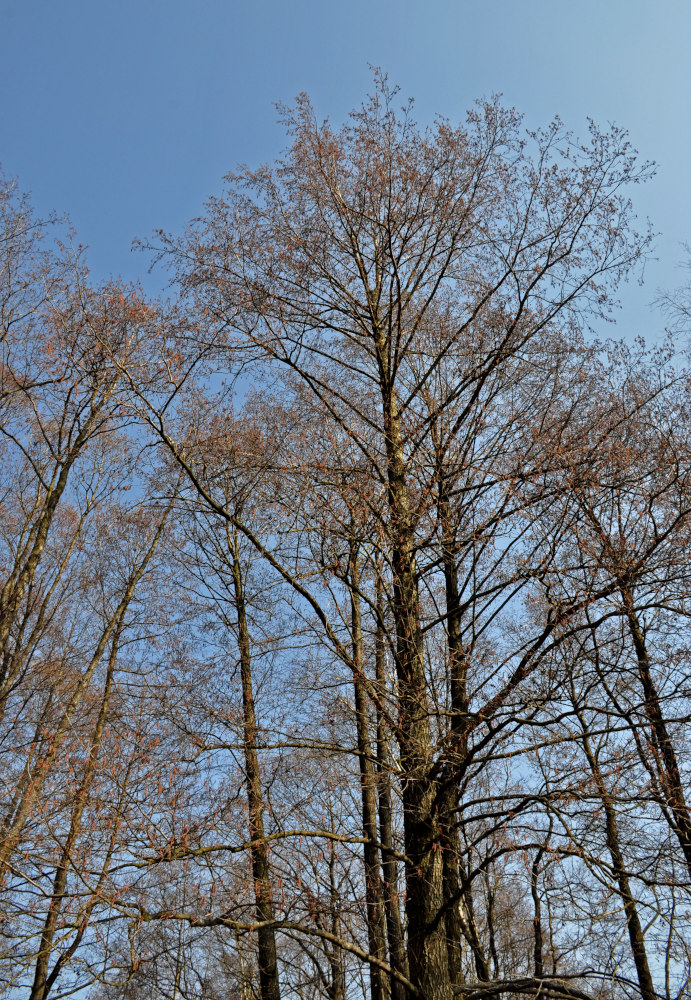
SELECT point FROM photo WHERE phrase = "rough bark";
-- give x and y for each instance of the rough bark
(427, 952)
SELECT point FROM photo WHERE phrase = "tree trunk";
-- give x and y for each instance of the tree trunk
(397, 954)
(456, 753)
(670, 777)
(42, 981)
(261, 871)
(538, 964)
(10, 834)
(633, 923)
(373, 887)
(427, 953)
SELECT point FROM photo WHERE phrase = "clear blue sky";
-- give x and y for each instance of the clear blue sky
(126, 113)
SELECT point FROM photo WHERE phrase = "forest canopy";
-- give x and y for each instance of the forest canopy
(343, 646)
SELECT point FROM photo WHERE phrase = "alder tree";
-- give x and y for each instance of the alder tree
(397, 702)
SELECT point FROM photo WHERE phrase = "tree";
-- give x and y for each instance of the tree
(223, 566)
(411, 284)
(345, 599)
(73, 553)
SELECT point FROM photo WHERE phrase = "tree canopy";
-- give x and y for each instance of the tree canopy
(343, 643)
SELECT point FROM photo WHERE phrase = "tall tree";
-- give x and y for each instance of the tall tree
(394, 275)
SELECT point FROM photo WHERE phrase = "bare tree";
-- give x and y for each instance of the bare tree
(397, 708)
(411, 282)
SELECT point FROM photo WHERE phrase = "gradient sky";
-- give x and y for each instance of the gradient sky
(125, 114)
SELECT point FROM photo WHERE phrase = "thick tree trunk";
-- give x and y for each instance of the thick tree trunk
(427, 952)
(261, 871)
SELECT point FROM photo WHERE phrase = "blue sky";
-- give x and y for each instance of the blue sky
(126, 113)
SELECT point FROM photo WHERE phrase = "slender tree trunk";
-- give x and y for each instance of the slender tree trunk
(452, 896)
(458, 736)
(633, 923)
(670, 776)
(336, 989)
(538, 964)
(261, 871)
(491, 930)
(394, 927)
(34, 787)
(17, 648)
(40, 988)
(96, 894)
(470, 931)
(666, 759)
(373, 887)
(23, 572)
